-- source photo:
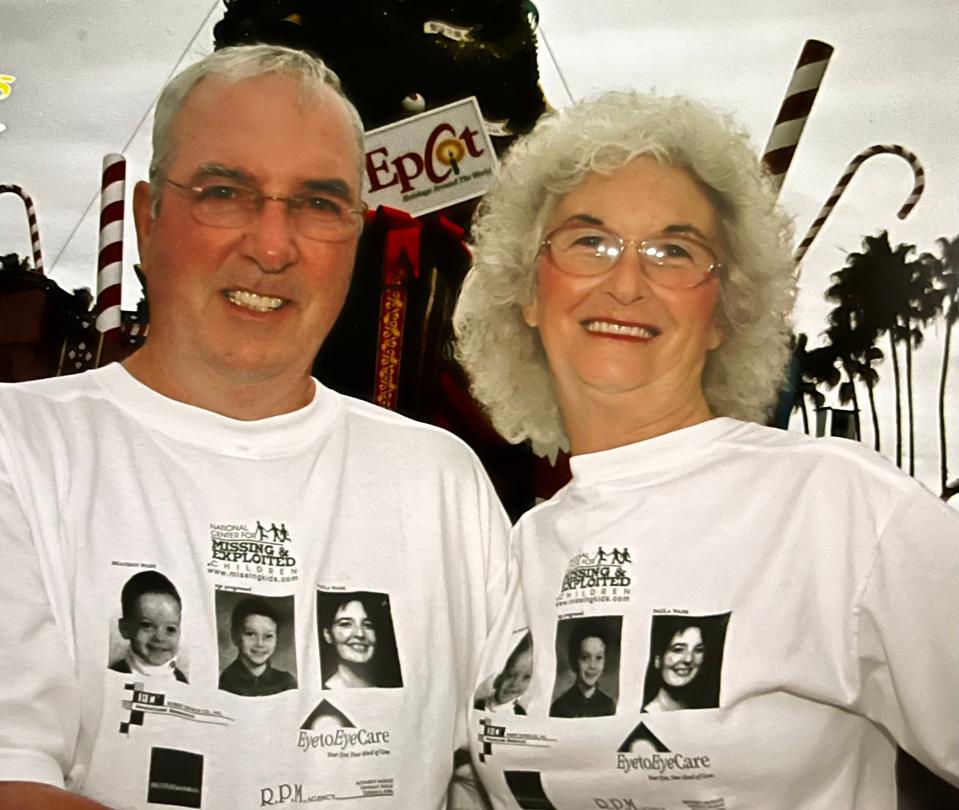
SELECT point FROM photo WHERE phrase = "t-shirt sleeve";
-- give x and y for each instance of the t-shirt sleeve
(39, 696)
(908, 633)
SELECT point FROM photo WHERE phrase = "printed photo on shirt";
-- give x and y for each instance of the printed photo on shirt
(642, 741)
(504, 691)
(527, 789)
(145, 640)
(326, 717)
(357, 642)
(685, 662)
(257, 645)
(587, 667)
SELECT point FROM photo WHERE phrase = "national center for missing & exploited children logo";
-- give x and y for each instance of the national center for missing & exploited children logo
(261, 552)
(598, 577)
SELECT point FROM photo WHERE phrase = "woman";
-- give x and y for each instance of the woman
(630, 300)
(673, 676)
(352, 637)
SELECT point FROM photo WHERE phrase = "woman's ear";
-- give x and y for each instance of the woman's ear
(529, 314)
(327, 637)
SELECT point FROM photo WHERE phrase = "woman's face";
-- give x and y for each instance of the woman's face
(516, 678)
(352, 633)
(681, 661)
(590, 662)
(256, 641)
(619, 334)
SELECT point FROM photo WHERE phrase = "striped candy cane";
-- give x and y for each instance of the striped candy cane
(854, 164)
(800, 95)
(32, 221)
(110, 257)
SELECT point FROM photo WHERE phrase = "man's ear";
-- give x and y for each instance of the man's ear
(327, 637)
(143, 218)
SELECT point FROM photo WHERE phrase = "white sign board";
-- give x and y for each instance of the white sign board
(430, 161)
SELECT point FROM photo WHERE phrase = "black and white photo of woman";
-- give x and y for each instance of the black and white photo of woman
(357, 644)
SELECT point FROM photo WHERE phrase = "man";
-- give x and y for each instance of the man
(253, 629)
(151, 624)
(586, 654)
(177, 459)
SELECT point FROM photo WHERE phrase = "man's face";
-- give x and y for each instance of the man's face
(255, 641)
(590, 662)
(244, 305)
(153, 629)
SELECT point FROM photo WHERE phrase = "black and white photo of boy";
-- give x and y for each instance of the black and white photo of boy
(261, 644)
(151, 612)
(685, 661)
(357, 642)
(511, 683)
(587, 663)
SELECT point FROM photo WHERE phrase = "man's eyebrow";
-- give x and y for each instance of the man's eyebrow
(338, 188)
(218, 170)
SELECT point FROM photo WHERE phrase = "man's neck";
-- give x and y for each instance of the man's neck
(245, 400)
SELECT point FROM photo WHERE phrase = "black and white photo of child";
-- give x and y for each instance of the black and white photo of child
(587, 667)
(357, 641)
(685, 662)
(149, 625)
(255, 635)
(510, 684)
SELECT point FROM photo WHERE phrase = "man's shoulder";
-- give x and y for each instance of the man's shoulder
(392, 436)
(52, 389)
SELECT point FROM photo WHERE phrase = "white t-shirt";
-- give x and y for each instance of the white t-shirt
(337, 508)
(754, 620)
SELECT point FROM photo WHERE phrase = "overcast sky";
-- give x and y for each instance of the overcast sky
(87, 73)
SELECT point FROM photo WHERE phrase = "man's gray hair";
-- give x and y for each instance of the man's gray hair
(235, 64)
(504, 356)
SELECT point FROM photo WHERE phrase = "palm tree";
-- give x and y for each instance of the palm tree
(924, 303)
(816, 367)
(874, 285)
(947, 280)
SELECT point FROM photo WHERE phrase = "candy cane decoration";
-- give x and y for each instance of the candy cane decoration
(795, 109)
(110, 257)
(854, 164)
(32, 221)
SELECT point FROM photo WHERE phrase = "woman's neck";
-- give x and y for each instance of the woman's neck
(603, 425)
(348, 676)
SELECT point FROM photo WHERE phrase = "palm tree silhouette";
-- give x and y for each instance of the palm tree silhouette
(816, 367)
(875, 285)
(946, 272)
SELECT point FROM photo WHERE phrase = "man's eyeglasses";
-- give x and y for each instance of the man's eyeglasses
(317, 215)
(676, 262)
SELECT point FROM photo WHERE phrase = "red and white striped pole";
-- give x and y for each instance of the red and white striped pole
(795, 109)
(110, 256)
(32, 221)
(919, 183)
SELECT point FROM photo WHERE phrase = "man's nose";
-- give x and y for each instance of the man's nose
(270, 238)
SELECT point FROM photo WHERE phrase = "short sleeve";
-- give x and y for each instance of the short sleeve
(39, 697)
(908, 633)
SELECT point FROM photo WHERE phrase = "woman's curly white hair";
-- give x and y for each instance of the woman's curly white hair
(504, 356)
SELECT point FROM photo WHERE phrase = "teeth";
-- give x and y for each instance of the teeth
(604, 327)
(249, 300)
